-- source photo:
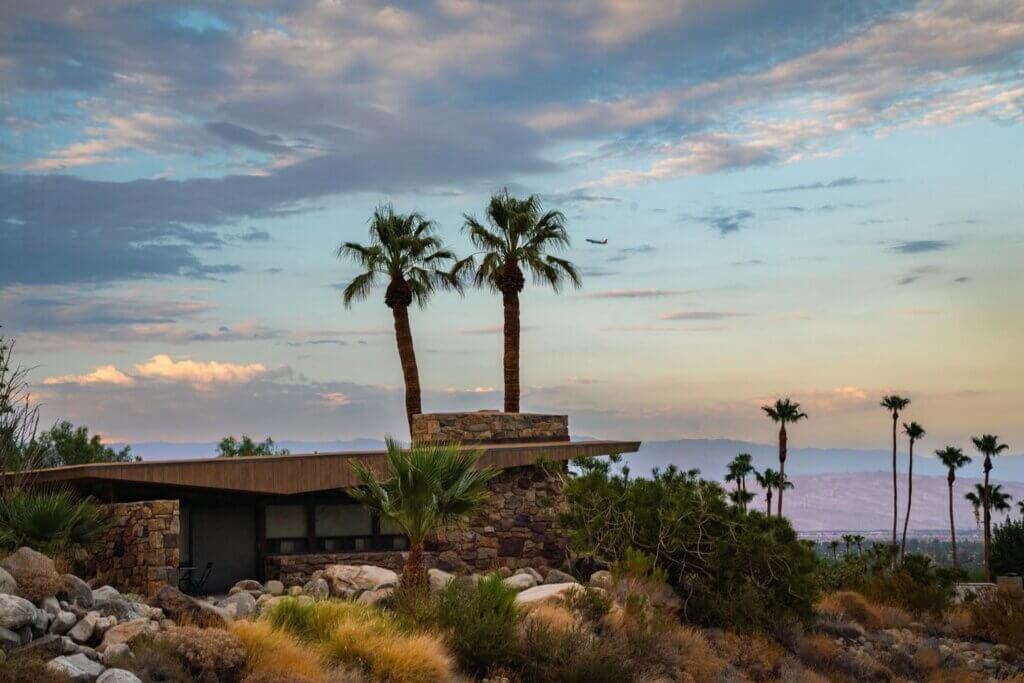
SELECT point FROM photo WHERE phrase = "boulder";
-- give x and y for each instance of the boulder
(9, 640)
(117, 653)
(124, 633)
(551, 592)
(63, 622)
(77, 668)
(274, 587)
(531, 572)
(15, 612)
(118, 676)
(372, 597)
(249, 585)
(240, 605)
(317, 589)
(177, 606)
(115, 607)
(602, 579)
(346, 580)
(83, 631)
(50, 605)
(520, 582)
(7, 583)
(438, 579)
(40, 622)
(558, 576)
(295, 591)
(105, 593)
(27, 562)
(76, 591)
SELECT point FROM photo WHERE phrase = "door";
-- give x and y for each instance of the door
(225, 536)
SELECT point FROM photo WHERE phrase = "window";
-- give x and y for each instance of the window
(343, 527)
(392, 536)
(286, 529)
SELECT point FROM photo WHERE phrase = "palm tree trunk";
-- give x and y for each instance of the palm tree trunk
(987, 521)
(511, 361)
(782, 464)
(910, 498)
(952, 526)
(768, 497)
(414, 574)
(407, 356)
(895, 495)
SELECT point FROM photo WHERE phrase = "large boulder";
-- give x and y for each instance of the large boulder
(105, 593)
(35, 573)
(520, 582)
(63, 622)
(76, 591)
(372, 597)
(118, 676)
(15, 612)
(83, 631)
(77, 668)
(347, 580)
(241, 605)
(9, 640)
(551, 592)
(274, 587)
(317, 589)
(7, 583)
(125, 633)
(558, 576)
(438, 579)
(602, 579)
(178, 606)
(116, 607)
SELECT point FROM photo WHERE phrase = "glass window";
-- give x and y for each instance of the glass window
(286, 521)
(343, 520)
(389, 527)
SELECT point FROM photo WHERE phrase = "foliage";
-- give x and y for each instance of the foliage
(51, 522)
(479, 622)
(19, 415)
(999, 616)
(210, 654)
(230, 447)
(314, 621)
(28, 666)
(853, 606)
(729, 566)
(556, 655)
(155, 660)
(590, 603)
(271, 653)
(64, 444)
(1008, 548)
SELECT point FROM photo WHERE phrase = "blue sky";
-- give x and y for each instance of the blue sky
(812, 199)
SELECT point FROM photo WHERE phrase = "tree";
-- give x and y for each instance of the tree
(19, 416)
(769, 481)
(914, 433)
(989, 446)
(834, 547)
(64, 444)
(229, 447)
(783, 412)
(405, 251)
(953, 459)
(428, 486)
(894, 404)
(1008, 548)
(858, 540)
(847, 542)
(519, 236)
(738, 470)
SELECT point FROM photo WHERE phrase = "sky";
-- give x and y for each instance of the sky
(816, 199)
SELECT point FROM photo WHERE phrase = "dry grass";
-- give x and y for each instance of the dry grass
(957, 623)
(755, 654)
(206, 651)
(274, 676)
(555, 616)
(387, 655)
(960, 676)
(854, 606)
(927, 659)
(270, 652)
(35, 587)
(820, 651)
(698, 658)
(999, 617)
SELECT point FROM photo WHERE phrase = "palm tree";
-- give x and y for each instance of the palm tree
(783, 411)
(1020, 504)
(738, 469)
(847, 542)
(767, 481)
(953, 459)
(914, 432)
(894, 404)
(405, 251)
(858, 541)
(988, 445)
(428, 486)
(975, 499)
(834, 547)
(519, 237)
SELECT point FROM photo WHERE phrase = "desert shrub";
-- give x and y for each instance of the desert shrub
(698, 657)
(729, 567)
(21, 667)
(276, 676)
(51, 522)
(551, 655)
(414, 608)
(270, 652)
(210, 654)
(819, 651)
(999, 616)
(155, 661)
(759, 657)
(1008, 548)
(957, 622)
(556, 616)
(915, 584)
(955, 676)
(35, 587)
(379, 649)
(854, 606)
(590, 603)
(316, 621)
(479, 622)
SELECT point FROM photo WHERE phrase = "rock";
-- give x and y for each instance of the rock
(372, 597)
(249, 585)
(76, 591)
(63, 622)
(117, 653)
(15, 612)
(105, 593)
(25, 634)
(115, 607)
(78, 668)
(545, 593)
(27, 562)
(241, 605)
(177, 606)
(7, 583)
(558, 576)
(504, 572)
(346, 580)
(274, 587)
(40, 622)
(50, 605)
(118, 676)
(438, 579)
(602, 579)
(124, 633)
(84, 629)
(532, 572)
(520, 582)
(317, 589)
(296, 591)
(9, 640)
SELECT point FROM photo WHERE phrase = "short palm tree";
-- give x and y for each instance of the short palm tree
(894, 404)
(404, 251)
(770, 481)
(989, 446)
(738, 470)
(914, 433)
(519, 236)
(783, 412)
(428, 486)
(858, 540)
(974, 498)
(834, 547)
(953, 459)
(847, 542)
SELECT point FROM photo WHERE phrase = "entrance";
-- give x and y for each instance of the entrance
(225, 536)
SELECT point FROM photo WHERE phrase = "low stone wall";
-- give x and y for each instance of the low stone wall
(139, 552)
(294, 570)
(490, 427)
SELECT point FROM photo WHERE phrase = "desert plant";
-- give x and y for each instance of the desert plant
(271, 652)
(428, 486)
(29, 666)
(989, 446)
(1008, 548)
(894, 404)
(64, 444)
(999, 616)
(914, 433)
(589, 603)
(19, 419)
(313, 622)
(210, 654)
(479, 623)
(405, 251)
(519, 237)
(52, 522)
(738, 470)
(380, 650)
(770, 481)
(556, 655)
(783, 412)
(154, 660)
(953, 459)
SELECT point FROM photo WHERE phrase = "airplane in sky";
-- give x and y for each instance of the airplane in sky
(604, 241)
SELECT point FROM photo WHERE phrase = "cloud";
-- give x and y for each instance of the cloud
(918, 273)
(254, 235)
(921, 246)
(724, 221)
(848, 181)
(104, 374)
(749, 262)
(596, 271)
(625, 253)
(336, 398)
(700, 315)
(635, 293)
(198, 373)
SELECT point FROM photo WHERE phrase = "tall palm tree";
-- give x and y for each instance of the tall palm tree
(847, 542)
(953, 459)
(738, 470)
(894, 404)
(428, 486)
(834, 547)
(988, 445)
(519, 236)
(858, 540)
(783, 412)
(914, 433)
(405, 251)
(767, 481)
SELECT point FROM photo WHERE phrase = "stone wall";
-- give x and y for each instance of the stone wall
(490, 427)
(294, 570)
(139, 552)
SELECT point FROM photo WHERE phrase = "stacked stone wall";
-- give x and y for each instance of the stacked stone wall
(295, 570)
(490, 427)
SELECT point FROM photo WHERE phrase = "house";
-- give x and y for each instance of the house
(284, 517)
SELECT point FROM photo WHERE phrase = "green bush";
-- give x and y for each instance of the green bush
(730, 567)
(591, 604)
(51, 522)
(551, 655)
(479, 623)
(1008, 548)
(154, 661)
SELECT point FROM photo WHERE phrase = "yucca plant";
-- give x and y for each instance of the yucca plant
(51, 522)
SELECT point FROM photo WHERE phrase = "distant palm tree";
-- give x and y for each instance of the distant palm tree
(782, 412)
(847, 542)
(738, 470)
(914, 432)
(428, 486)
(858, 541)
(988, 445)
(768, 480)
(519, 237)
(894, 404)
(953, 458)
(834, 547)
(405, 252)
(1020, 504)
(975, 499)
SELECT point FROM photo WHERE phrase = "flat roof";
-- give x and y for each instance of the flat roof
(301, 473)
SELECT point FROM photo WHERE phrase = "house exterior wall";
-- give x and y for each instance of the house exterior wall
(490, 427)
(139, 551)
